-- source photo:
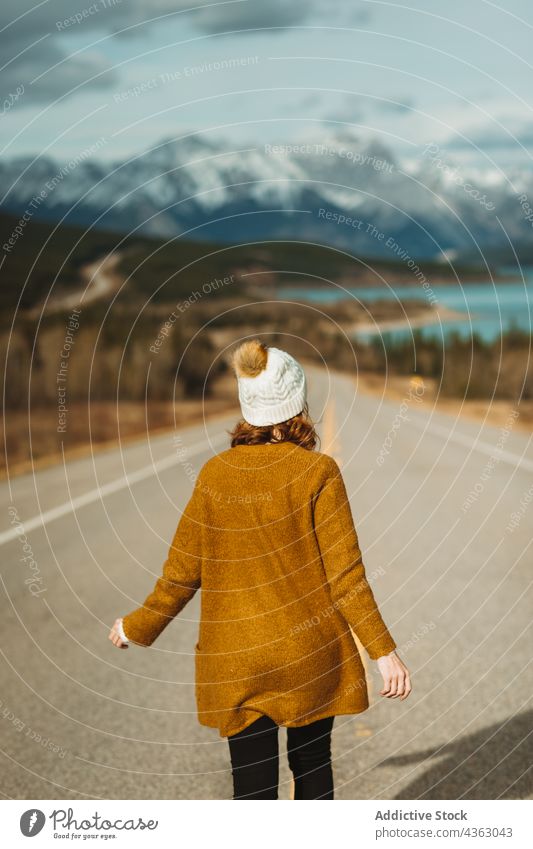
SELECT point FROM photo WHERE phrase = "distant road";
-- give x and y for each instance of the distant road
(99, 279)
(444, 510)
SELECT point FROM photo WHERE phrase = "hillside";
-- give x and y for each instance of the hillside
(336, 189)
(48, 258)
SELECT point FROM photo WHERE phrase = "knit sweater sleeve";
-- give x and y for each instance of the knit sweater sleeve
(181, 577)
(343, 564)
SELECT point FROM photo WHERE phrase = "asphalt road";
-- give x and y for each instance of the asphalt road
(451, 571)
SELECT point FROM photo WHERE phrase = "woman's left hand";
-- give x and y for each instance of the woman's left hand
(114, 636)
(396, 678)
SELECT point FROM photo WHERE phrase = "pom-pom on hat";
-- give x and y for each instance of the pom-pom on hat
(272, 385)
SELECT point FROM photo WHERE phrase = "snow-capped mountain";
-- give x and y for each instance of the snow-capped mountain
(332, 189)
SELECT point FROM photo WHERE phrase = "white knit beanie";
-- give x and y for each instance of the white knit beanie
(272, 385)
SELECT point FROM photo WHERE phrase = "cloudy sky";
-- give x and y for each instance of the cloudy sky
(457, 74)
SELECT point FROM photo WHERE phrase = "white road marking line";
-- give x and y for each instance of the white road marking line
(107, 489)
(476, 445)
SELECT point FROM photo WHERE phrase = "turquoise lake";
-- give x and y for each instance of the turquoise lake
(490, 308)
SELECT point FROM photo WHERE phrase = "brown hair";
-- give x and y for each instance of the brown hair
(298, 429)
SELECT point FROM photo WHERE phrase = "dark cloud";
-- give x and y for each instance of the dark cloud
(394, 105)
(354, 107)
(35, 50)
(44, 75)
(342, 14)
(36, 38)
(273, 15)
(253, 14)
(350, 109)
(311, 102)
(492, 137)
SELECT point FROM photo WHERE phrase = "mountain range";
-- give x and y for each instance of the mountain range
(332, 189)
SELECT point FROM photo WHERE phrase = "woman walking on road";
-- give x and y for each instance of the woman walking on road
(269, 537)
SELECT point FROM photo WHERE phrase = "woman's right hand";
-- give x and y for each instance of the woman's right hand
(396, 679)
(114, 635)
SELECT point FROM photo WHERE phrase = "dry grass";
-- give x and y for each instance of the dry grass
(35, 443)
(495, 412)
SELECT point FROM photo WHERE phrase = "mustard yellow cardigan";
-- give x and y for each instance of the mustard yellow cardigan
(269, 537)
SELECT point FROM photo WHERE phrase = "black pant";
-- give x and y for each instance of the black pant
(255, 760)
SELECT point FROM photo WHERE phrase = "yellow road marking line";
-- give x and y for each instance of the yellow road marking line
(330, 437)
